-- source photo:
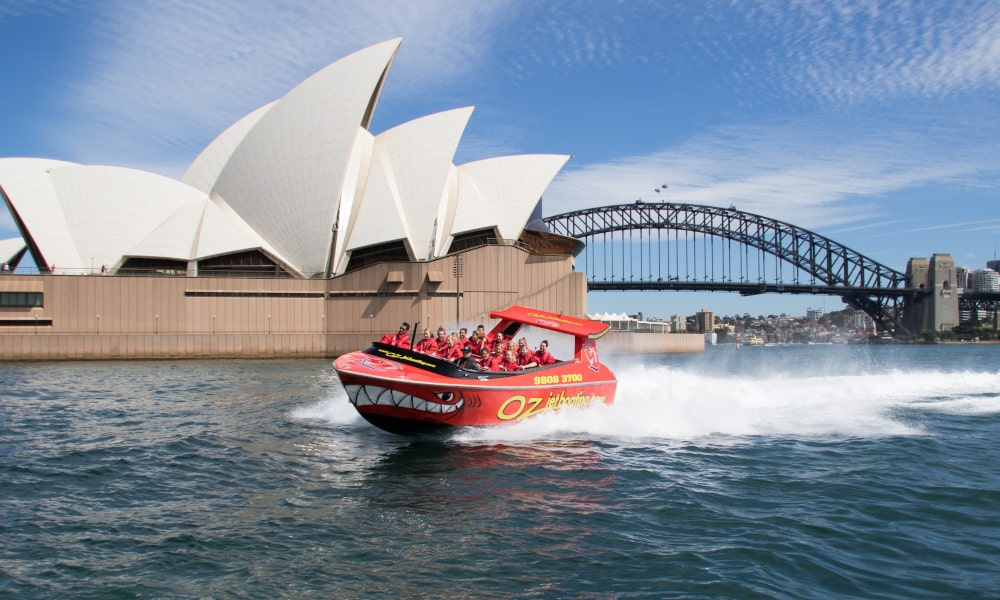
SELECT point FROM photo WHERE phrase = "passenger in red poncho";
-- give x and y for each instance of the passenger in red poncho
(426, 344)
(476, 343)
(496, 359)
(525, 357)
(401, 339)
(543, 357)
(509, 362)
(485, 359)
(441, 340)
(499, 343)
(451, 350)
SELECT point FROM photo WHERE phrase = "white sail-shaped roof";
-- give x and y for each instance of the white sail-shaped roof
(378, 216)
(109, 210)
(300, 179)
(200, 229)
(176, 237)
(284, 177)
(222, 231)
(352, 190)
(446, 214)
(503, 191)
(410, 178)
(206, 168)
(10, 248)
(42, 216)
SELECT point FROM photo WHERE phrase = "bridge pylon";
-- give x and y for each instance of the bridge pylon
(936, 310)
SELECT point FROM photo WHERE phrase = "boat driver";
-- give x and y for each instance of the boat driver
(467, 361)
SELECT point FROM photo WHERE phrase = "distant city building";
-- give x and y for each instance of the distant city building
(964, 275)
(705, 320)
(625, 322)
(657, 324)
(985, 280)
(969, 315)
(862, 321)
(814, 314)
(981, 280)
(618, 321)
(679, 323)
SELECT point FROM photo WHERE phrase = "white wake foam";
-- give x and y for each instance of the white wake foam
(335, 410)
(670, 403)
(673, 404)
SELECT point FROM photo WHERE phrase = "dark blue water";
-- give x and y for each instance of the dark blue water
(798, 472)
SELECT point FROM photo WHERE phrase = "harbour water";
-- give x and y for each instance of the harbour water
(773, 472)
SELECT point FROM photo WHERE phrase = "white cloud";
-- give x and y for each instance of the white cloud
(988, 225)
(813, 173)
(159, 79)
(847, 51)
(163, 78)
(857, 50)
(20, 8)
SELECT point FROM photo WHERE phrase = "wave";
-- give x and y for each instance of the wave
(335, 410)
(656, 401)
(688, 403)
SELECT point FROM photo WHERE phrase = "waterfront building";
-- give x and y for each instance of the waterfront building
(296, 232)
(964, 277)
(985, 280)
(297, 188)
(631, 334)
(705, 320)
(618, 321)
(861, 321)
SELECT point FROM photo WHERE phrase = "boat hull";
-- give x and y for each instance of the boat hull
(413, 394)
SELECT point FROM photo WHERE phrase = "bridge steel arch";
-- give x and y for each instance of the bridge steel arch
(835, 269)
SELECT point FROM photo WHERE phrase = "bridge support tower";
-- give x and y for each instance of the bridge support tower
(938, 309)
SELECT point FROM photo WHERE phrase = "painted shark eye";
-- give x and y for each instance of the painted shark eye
(446, 396)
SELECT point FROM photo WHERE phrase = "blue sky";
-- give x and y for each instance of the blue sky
(874, 123)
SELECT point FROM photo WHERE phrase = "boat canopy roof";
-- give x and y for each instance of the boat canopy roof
(569, 325)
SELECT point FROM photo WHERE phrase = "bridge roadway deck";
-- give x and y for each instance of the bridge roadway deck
(749, 289)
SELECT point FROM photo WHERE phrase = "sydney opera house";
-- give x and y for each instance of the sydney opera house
(296, 232)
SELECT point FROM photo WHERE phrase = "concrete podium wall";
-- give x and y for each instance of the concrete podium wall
(112, 317)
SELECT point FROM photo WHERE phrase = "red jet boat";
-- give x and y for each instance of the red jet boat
(410, 393)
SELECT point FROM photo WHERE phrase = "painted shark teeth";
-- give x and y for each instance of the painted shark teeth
(372, 395)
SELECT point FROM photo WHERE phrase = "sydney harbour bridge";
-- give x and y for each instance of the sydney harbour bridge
(668, 246)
